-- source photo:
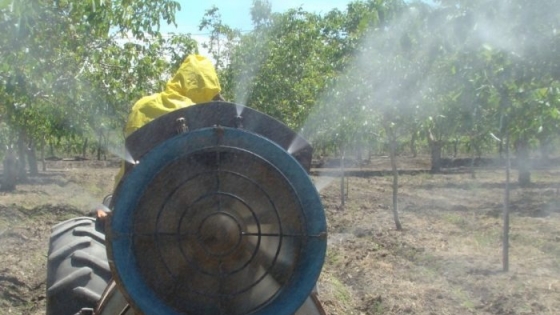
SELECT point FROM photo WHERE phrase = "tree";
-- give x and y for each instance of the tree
(75, 85)
(222, 37)
(516, 45)
(282, 67)
(371, 94)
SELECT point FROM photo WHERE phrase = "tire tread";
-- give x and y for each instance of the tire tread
(77, 268)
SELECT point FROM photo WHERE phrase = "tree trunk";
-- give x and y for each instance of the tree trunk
(9, 175)
(523, 162)
(473, 158)
(413, 149)
(84, 148)
(501, 148)
(99, 144)
(544, 147)
(393, 155)
(478, 151)
(435, 150)
(505, 243)
(43, 162)
(21, 170)
(359, 155)
(342, 194)
(99, 151)
(32, 160)
(455, 147)
(51, 149)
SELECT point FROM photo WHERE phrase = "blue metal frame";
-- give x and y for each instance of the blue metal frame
(295, 292)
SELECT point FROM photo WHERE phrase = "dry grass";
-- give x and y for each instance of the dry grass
(448, 259)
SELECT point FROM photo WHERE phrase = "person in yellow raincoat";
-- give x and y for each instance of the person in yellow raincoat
(196, 81)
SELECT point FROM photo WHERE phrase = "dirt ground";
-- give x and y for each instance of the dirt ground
(447, 260)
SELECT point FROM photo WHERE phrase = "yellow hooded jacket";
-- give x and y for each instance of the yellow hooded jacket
(195, 82)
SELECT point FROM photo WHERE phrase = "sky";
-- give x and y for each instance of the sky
(236, 13)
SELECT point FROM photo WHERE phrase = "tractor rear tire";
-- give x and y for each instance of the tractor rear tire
(77, 268)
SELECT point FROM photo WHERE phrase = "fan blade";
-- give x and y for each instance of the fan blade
(274, 251)
(264, 287)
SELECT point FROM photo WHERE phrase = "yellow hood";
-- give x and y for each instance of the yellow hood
(196, 79)
(195, 82)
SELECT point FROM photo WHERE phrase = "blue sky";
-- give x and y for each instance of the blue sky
(235, 13)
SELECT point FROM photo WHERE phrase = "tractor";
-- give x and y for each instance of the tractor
(216, 214)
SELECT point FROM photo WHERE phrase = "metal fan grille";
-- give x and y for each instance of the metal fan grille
(221, 229)
(217, 221)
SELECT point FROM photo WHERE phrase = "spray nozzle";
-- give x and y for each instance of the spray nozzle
(239, 122)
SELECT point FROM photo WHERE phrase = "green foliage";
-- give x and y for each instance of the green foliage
(73, 68)
(222, 37)
(509, 69)
(281, 68)
(460, 70)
